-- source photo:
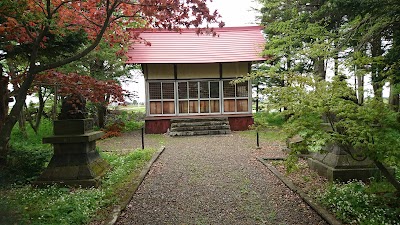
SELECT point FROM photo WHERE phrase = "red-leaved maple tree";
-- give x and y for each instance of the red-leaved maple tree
(86, 86)
(29, 27)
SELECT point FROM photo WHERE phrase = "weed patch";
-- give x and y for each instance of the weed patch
(353, 203)
(61, 205)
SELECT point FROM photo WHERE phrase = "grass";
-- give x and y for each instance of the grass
(356, 202)
(265, 135)
(268, 119)
(25, 204)
(268, 125)
(353, 202)
(21, 203)
(157, 138)
(133, 108)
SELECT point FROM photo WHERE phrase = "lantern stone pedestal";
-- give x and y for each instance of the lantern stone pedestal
(76, 161)
(336, 164)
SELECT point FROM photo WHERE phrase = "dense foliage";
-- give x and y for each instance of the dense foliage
(357, 41)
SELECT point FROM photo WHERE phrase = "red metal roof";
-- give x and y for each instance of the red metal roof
(232, 44)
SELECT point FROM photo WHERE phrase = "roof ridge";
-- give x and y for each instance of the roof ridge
(188, 30)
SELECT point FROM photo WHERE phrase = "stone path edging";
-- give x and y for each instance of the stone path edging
(112, 218)
(327, 216)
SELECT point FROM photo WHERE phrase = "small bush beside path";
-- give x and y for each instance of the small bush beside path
(353, 202)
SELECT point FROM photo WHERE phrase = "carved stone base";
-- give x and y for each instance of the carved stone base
(76, 161)
(339, 165)
(343, 174)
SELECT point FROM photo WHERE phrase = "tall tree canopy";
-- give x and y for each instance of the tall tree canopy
(40, 35)
(360, 38)
(303, 36)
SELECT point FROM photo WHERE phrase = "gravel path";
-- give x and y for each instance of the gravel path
(131, 141)
(215, 180)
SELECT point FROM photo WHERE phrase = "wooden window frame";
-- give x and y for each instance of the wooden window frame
(221, 99)
(235, 98)
(199, 99)
(162, 100)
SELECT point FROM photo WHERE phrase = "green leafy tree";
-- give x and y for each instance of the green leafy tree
(326, 113)
(361, 36)
(299, 38)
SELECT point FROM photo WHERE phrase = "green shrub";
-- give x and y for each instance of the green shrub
(25, 165)
(27, 156)
(268, 119)
(133, 125)
(353, 203)
(132, 120)
(291, 163)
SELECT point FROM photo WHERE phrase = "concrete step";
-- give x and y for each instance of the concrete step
(206, 127)
(199, 126)
(199, 132)
(197, 123)
(199, 119)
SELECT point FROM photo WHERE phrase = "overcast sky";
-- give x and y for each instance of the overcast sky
(236, 12)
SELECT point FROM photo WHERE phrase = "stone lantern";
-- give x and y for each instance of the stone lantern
(75, 161)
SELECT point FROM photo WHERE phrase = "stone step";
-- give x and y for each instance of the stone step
(199, 132)
(199, 126)
(196, 123)
(178, 120)
(192, 127)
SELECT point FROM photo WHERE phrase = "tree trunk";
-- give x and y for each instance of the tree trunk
(55, 101)
(102, 111)
(101, 114)
(319, 68)
(35, 123)
(376, 50)
(40, 110)
(4, 99)
(388, 175)
(394, 100)
(21, 122)
(257, 98)
(360, 87)
(336, 62)
(12, 118)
